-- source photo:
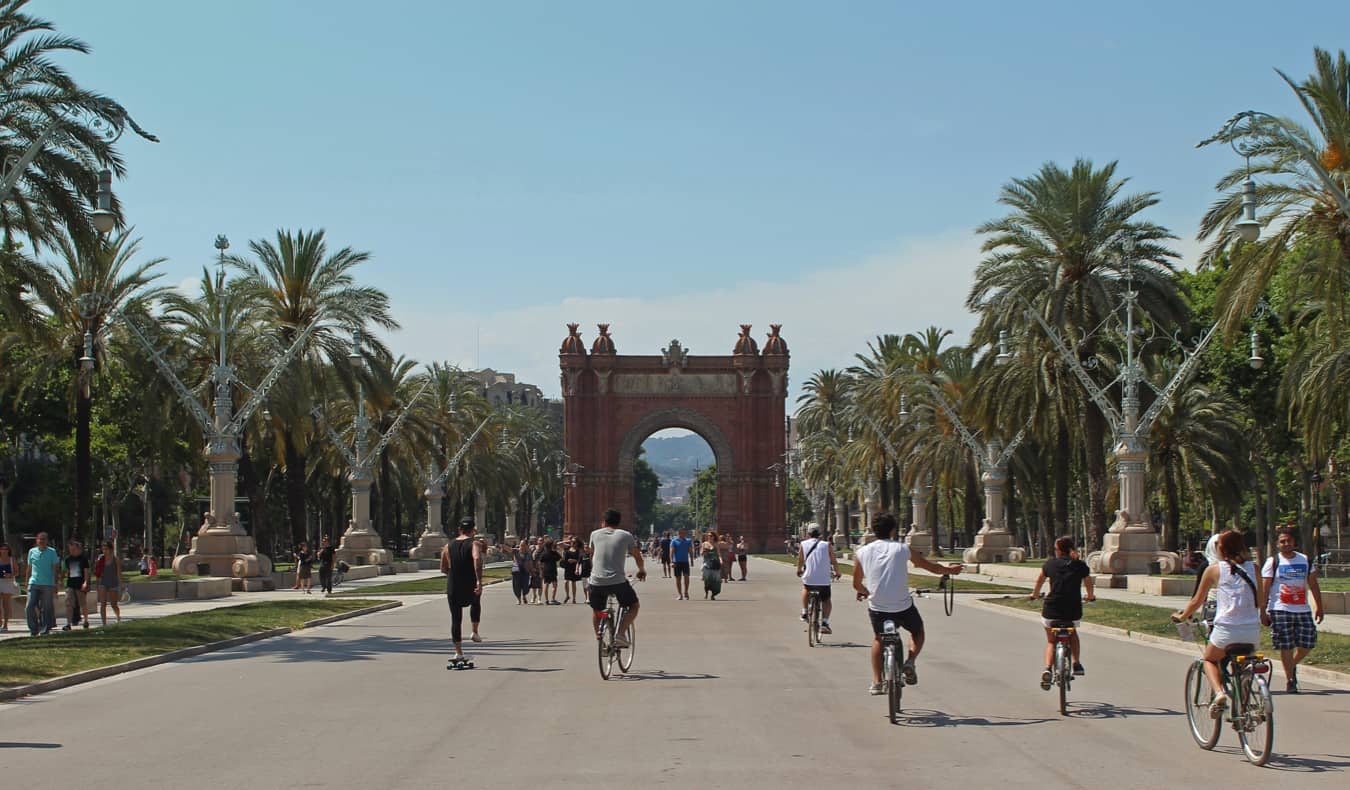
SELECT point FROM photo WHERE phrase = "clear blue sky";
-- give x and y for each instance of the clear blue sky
(675, 168)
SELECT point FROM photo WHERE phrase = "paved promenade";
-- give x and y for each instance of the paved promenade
(724, 694)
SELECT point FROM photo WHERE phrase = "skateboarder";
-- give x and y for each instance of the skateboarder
(462, 564)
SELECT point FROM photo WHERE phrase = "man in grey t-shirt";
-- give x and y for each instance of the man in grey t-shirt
(610, 548)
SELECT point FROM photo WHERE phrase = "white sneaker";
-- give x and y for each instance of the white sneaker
(876, 689)
(1216, 708)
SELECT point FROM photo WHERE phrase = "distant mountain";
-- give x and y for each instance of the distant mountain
(676, 457)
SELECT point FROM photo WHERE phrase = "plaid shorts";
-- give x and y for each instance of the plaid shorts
(1289, 630)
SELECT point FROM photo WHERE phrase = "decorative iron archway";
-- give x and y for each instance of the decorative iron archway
(737, 403)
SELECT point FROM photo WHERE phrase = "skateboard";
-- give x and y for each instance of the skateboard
(459, 663)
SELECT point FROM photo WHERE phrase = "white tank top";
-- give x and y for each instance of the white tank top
(817, 571)
(1236, 601)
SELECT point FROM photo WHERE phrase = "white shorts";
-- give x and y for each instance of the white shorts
(1047, 623)
(1222, 636)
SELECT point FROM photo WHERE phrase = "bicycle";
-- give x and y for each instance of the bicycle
(1246, 679)
(813, 614)
(608, 653)
(892, 679)
(1061, 668)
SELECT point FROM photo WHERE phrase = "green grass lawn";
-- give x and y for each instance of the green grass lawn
(162, 576)
(31, 659)
(435, 584)
(1332, 651)
(1335, 584)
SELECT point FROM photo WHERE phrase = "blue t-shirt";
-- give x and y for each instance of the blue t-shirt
(43, 564)
(679, 549)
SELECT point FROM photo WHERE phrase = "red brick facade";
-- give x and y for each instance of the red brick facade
(737, 403)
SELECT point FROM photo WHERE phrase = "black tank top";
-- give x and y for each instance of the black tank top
(462, 574)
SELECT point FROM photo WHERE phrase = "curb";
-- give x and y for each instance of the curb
(99, 673)
(1338, 680)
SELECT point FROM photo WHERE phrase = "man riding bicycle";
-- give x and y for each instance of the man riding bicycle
(881, 574)
(1067, 574)
(610, 547)
(817, 566)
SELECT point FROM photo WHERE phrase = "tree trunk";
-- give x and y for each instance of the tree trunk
(1095, 426)
(1172, 528)
(84, 471)
(1062, 456)
(295, 489)
(973, 505)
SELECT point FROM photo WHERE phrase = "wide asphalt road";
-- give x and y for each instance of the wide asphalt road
(724, 694)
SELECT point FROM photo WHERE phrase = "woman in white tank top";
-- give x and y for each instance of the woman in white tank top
(1240, 608)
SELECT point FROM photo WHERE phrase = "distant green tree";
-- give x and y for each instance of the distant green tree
(703, 498)
(645, 487)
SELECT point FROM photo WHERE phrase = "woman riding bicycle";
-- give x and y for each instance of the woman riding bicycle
(1240, 613)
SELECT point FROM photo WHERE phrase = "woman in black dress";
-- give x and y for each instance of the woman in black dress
(548, 566)
(571, 569)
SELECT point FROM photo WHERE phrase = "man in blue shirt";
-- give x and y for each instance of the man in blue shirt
(43, 563)
(679, 557)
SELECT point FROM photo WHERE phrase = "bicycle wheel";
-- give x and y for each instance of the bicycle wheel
(813, 623)
(1064, 669)
(894, 686)
(1256, 729)
(626, 654)
(948, 594)
(605, 648)
(1204, 728)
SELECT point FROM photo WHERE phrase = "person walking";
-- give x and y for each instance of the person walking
(8, 586)
(462, 564)
(520, 571)
(1287, 578)
(548, 569)
(109, 576)
(742, 555)
(76, 570)
(586, 566)
(327, 560)
(571, 569)
(304, 568)
(536, 573)
(664, 548)
(727, 556)
(680, 547)
(712, 567)
(43, 565)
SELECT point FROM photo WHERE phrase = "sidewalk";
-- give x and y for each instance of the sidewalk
(1333, 623)
(142, 610)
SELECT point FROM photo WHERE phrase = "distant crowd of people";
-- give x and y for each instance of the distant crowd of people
(718, 553)
(48, 571)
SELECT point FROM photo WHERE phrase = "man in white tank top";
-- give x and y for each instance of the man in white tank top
(817, 566)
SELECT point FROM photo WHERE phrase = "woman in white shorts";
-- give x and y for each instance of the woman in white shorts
(1240, 611)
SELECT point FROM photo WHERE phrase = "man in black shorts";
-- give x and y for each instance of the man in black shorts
(327, 556)
(610, 547)
(665, 556)
(680, 549)
(462, 564)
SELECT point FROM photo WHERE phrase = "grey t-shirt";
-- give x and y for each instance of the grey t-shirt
(609, 548)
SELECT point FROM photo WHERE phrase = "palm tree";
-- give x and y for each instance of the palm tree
(297, 283)
(39, 101)
(1068, 249)
(90, 284)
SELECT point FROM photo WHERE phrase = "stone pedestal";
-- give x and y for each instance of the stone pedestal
(221, 546)
(920, 536)
(433, 538)
(841, 524)
(994, 543)
(510, 537)
(1129, 548)
(361, 544)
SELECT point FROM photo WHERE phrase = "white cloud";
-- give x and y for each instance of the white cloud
(827, 316)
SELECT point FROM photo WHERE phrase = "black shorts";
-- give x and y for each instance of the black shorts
(665, 559)
(681, 568)
(623, 591)
(823, 589)
(550, 577)
(908, 620)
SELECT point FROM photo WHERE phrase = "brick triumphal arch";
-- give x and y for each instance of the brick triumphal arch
(612, 402)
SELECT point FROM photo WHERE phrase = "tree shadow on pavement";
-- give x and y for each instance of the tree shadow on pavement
(13, 745)
(1105, 710)
(372, 647)
(848, 645)
(523, 669)
(921, 717)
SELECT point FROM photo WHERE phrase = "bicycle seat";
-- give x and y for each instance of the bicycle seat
(1061, 624)
(1239, 649)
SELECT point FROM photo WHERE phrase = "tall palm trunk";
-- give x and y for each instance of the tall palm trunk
(1095, 430)
(295, 488)
(84, 468)
(1172, 532)
(973, 505)
(1063, 451)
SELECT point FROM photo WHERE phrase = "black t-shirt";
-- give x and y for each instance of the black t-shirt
(326, 555)
(304, 559)
(549, 559)
(1065, 599)
(77, 571)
